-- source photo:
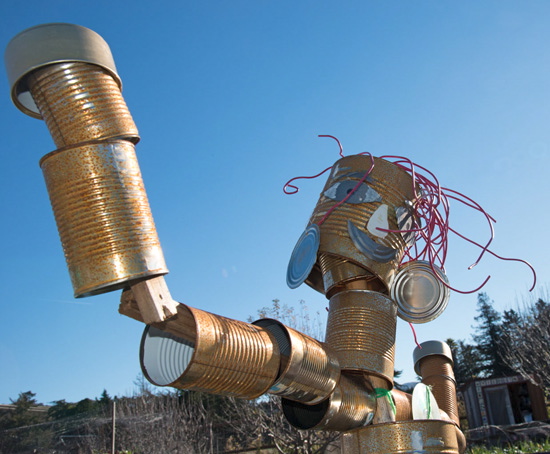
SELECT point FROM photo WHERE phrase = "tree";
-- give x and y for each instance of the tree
(466, 361)
(104, 400)
(262, 423)
(21, 429)
(526, 341)
(142, 387)
(299, 319)
(22, 415)
(60, 409)
(488, 339)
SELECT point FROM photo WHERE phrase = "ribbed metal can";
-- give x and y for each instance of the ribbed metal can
(444, 390)
(388, 187)
(434, 363)
(403, 437)
(351, 405)
(339, 274)
(81, 102)
(49, 44)
(361, 329)
(103, 216)
(403, 405)
(440, 350)
(309, 369)
(219, 355)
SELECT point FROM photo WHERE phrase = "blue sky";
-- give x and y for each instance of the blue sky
(229, 97)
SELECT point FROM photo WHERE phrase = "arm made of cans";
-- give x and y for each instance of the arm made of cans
(351, 252)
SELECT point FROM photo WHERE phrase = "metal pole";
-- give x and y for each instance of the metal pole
(114, 427)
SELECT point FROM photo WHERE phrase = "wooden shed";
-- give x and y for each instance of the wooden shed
(503, 401)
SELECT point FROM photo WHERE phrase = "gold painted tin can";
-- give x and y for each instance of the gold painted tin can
(81, 102)
(351, 405)
(432, 354)
(309, 369)
(434, 363)
(436, 366)
(361, 329)
(403, 405)
(216, 355)
(344, 232)
(49, 44)
(403, 437)
(103, 216)
(444, 390)
(340, 274)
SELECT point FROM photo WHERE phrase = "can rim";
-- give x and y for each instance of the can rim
(432, 276)
(52, 43)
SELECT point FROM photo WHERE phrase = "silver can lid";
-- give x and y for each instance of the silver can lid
(303, 256)
(430, 348)
(47, 44)
(420, 291)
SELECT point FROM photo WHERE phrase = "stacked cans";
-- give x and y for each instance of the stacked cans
(349, 233)
(215, 355)
(65, 74)
(433, 361)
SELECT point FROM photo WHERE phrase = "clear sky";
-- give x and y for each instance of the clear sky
(229, 97)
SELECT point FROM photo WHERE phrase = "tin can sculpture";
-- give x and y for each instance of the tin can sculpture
(357, 250)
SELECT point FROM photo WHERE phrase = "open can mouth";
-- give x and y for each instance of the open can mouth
(350, 406)
(213, 354)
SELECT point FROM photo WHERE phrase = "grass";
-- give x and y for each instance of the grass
(520, 448)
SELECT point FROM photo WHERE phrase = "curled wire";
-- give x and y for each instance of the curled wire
(431, 210)
(414, 336)
(339, 144)
(431, 213)
(294, 189)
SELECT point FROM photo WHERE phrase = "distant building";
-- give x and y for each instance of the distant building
(503, 401)
(35, 409)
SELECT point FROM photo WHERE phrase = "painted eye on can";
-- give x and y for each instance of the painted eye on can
(363, 194)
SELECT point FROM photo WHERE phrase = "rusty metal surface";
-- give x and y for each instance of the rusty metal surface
(444, 390)
(103, 216)
(434, 363)
(337, 270)
(315, 279)
(47, 44)
(218, 355)
(351, 405)
(361, 329)
(340, 274)
(309, 369)
(403, 437)
(431, 348)
(81, 102)
(403, 405)
(395, 187)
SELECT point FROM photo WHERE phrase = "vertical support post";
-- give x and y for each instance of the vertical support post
(113, 440)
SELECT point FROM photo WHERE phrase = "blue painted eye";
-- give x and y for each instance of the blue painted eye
(363, 194)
